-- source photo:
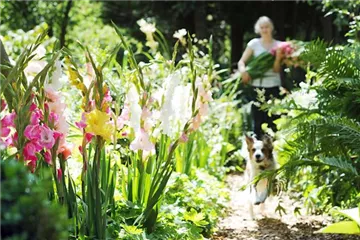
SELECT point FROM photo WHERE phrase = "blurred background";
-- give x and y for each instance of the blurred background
(231, 23)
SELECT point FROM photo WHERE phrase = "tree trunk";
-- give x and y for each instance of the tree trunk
(327, 28)
(278, 13)
(200, 19)
(65, 23)
(237, 41)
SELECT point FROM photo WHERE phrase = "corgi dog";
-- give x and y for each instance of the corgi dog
(260, 158)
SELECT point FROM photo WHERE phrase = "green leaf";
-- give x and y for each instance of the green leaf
(132, 229)
(345, 227)
(195, 217)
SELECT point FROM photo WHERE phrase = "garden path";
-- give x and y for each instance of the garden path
(238, 225)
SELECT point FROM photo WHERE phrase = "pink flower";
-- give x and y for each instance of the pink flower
(57, 134)
(47, 139)
(59, 174)
(5, 131)
(30, 151)
(53, 118)
(82, 124)
(47, 157)
(32, 165)
(52, 95)
(65, 151)
(142, 142)
(8, 120)
(204, 108)
(32, 132)
(88, 137)
(184, 138)
(196, 122)
(32, 107)
(81, 149)
(107, 96)
(145, 113)
(36, 116)
(61, 125)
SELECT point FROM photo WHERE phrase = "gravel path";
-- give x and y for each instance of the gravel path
(238, 225)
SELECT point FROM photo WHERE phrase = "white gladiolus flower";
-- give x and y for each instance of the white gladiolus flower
(305, 98)
(167, 111)
(132, 98)
(146, 27)
(181, 103)
(180, 34)
(56, 82)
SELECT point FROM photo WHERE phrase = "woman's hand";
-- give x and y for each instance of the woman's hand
(245, 77)
(279, 54)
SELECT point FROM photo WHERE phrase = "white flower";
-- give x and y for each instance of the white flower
(55, 82)
(181, 103)
(132, 98)
(146, 27)
(167, 111)
(152, 44)
(180, 33)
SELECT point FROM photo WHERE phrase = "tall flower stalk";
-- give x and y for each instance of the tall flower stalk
(157, 132)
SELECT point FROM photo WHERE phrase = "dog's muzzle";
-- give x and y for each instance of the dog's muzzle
(258, 158)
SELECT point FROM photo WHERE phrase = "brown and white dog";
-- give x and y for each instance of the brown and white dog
(260, 158)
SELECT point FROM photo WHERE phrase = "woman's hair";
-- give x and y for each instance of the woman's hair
(262, 20)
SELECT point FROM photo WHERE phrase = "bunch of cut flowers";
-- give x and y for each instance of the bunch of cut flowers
(258, 66)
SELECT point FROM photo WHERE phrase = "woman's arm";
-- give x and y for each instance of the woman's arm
(245, 77)
(278, 58)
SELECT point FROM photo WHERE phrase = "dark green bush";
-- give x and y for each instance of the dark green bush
(26, 212)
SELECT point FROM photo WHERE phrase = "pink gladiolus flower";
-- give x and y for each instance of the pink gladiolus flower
(13, 140)
(32, 165)
(53, 118)
(46, 139)
(8, 120)
(82, 124)
(184, 138)
(65, 151)
(81, 149)
(47, 157)
(59, 174)
(196, 122)
(124, 134)
(52, 95)
(57, 135)
(5, 131)
(36, 115)
(145, 113)
(88, 137)
(32, 107)
(30, 150)
(32, 132)
(107, 96)
(142, 142)
(204, 108)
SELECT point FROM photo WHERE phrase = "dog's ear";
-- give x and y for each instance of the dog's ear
(249, 140)
(267, 140)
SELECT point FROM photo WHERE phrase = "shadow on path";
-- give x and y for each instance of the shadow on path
(238, 225)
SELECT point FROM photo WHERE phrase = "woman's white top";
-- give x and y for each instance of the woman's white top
(271, 78)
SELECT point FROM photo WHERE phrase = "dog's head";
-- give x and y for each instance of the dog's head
(259, 150)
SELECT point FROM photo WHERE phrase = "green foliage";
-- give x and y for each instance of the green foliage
(345, 227)
(320, 155)
(190, 209)
(26, 212)
(27, 14)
